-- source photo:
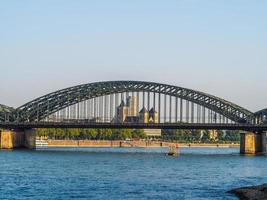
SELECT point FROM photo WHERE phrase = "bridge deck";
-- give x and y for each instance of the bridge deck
(28, 125)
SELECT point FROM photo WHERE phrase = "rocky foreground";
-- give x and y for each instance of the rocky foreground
(251, 193)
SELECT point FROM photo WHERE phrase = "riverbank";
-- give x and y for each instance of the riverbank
(251, 193)
(121, 143)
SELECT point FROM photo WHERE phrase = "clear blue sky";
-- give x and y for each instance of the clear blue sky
(219, 47)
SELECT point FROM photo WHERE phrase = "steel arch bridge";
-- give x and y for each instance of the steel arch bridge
(260, 116)
(5, 112)
(45, 106)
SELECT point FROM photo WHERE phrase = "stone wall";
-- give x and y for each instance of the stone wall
(118, 143)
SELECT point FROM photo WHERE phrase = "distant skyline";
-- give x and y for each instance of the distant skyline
(217, 47)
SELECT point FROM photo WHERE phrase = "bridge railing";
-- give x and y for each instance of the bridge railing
(84, 124)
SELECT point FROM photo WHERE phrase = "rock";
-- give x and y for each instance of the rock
(251, 193)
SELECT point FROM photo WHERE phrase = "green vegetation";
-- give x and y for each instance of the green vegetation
(91, 134)
(186, 136)
(198, 136)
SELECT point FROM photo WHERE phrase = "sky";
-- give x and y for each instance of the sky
(218, 47)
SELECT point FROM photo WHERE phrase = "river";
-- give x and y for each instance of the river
(127, 173)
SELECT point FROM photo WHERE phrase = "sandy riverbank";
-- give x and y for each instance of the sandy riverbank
(120, 143)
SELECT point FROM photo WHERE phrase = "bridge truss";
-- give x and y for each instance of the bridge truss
(6, 113)
(99, 102)
(260, 117)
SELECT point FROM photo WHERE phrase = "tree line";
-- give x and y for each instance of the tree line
(201, 136)
(191, 136)
(91, 134)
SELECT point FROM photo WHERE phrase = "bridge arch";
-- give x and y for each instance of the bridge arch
(260, 116)
(46, 105)
(5, 112)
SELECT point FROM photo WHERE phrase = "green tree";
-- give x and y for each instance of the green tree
(121, 134)
(205, 137)
(104, 134)
(91, 133)
(195, 135)
(72, 133)
(138, 134)
(232, 136)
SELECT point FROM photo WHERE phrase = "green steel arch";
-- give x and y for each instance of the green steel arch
(46, 105)
(260, 116)
(5, 112)
(261, 112)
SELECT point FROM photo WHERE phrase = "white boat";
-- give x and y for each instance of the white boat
(41, 143)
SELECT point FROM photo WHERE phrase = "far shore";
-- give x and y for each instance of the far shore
(123, 143)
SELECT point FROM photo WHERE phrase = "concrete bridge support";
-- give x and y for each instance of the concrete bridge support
(10, 139)
(253, 143)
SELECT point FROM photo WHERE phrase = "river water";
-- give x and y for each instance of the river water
(127, 173)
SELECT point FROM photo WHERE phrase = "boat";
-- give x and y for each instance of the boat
(41, 143)
(173, 151)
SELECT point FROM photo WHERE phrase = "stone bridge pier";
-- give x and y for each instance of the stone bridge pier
(253, 143)
(10, 139)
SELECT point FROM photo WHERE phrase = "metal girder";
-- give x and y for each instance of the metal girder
(261, 112)
(53, 102)
(5, 112)
(188, 126)
(260, 117)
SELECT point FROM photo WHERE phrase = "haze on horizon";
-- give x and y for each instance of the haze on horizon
(218, 47)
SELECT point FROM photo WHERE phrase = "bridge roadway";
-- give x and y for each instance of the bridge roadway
(190, 126)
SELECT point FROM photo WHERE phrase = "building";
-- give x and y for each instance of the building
(153, 116)
(143, 116)
(132, 105)
(122, 113)
(132, 119)
(152, 132)
(129, 113)
(213, 134)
